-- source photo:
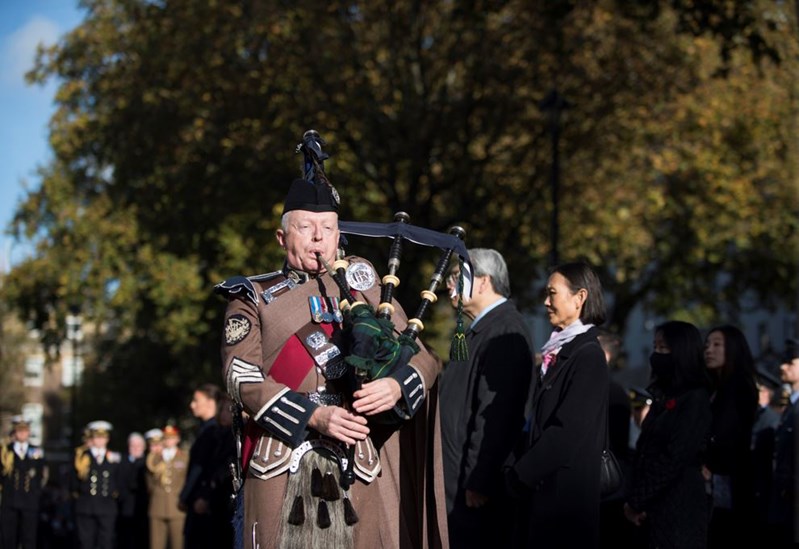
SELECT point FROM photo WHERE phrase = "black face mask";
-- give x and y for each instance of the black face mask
(662, 367)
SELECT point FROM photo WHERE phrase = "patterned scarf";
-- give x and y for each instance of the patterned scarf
(558, 339)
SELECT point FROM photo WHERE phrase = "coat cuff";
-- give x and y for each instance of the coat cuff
(286, 416)
(413, 391)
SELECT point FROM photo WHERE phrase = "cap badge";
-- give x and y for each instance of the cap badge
(360, 276)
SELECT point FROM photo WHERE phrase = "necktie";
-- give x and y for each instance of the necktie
(20, 450)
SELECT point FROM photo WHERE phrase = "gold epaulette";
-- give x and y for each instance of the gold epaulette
(82, 462)
(7, 460)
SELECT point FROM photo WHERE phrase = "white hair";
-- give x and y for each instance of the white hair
(488, 262)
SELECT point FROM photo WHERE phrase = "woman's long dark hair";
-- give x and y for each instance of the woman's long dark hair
(738, 360)
(687, 351)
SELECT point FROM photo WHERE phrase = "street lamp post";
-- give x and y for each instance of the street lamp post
(553, 105)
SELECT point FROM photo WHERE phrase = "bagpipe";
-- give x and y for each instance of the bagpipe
(375, 349)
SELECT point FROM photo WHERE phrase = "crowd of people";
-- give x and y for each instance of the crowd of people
(357, 435)
(159, 494)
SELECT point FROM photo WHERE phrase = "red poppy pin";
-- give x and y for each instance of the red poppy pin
(671, 404)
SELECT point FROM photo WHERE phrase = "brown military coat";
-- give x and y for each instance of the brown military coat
(397, 503)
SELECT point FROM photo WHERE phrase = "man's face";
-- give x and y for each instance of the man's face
(789, 372)
(156, 445)
(99, 441)
(202, 406)
(22, 434)
(136, 447)
(171, 441)
(305, 235)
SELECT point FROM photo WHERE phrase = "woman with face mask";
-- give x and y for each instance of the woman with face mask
(667, 494)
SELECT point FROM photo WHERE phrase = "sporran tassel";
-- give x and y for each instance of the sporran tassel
(297, 514)
(316, 483)
(330, 490)
(322, 515)
(350, 516)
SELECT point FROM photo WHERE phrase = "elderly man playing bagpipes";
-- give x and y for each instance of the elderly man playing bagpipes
(342, 446)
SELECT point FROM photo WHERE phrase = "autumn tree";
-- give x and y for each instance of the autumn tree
(177, 120)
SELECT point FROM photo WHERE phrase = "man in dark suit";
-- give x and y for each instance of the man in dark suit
(96, 488)
(195, 497)
(483, 406)
(133, 524)
(23, 476)
(783, 510)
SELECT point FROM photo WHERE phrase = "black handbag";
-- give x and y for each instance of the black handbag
(610, 475)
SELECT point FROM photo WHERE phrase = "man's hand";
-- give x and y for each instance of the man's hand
(201, 506)
(377, 396)
(475, 499)
(338, 423)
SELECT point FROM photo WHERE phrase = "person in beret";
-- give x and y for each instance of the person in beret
(23, 475)
(282, 336)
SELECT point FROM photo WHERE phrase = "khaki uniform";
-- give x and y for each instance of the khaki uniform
(165, 479)
(396, 502)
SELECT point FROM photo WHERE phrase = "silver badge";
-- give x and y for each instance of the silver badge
(360, 276)
(316, 340)
(236, 328)
(323, 357)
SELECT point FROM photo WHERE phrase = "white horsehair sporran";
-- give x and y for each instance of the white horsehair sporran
(313, 514)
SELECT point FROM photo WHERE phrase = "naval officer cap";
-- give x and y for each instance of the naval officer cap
(764, 376)
(19, 422)
(99, 428)
(791, 349)
(154, 435)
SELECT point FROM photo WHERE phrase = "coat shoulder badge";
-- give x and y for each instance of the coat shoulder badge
(237, 327)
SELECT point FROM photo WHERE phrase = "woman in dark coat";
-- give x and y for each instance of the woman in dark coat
(729, 467)
(667, 494)
(558, 474)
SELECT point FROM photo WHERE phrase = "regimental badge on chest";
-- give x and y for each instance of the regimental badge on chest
(325, 354)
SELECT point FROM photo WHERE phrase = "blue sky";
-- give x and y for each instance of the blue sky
(25, 110)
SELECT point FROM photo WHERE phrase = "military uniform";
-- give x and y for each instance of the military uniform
(96, 489)
(282, 340)
(23, 476)
(165, 479)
